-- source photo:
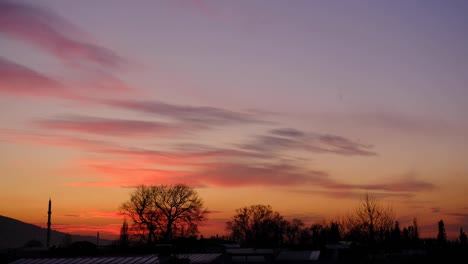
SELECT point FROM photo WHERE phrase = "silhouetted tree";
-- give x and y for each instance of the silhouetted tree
(257, 225)
(293, 230)
(406, 234)
(441, 235)
(369, 219)
(317, 234)
(396, 233)
(463, 237)
(334, 232)
(164, 212)
(124, 239)
(415, 230)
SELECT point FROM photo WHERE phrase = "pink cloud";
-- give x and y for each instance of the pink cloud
(204, 174)
(200, 115)
(204, 166)
(108, 173)
(110, 127)
(289, 138)
(18, 80)
(21, 81)
(240, 174)
(29, 137)
(46, 30)
(106, 82)
(183, 156)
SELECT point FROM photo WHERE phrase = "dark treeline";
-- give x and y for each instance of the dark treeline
(364, 235)
(165, 219)
(160, 214)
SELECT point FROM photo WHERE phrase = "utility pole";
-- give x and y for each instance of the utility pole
(49, 213)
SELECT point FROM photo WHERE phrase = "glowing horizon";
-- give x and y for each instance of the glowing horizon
(303, 106)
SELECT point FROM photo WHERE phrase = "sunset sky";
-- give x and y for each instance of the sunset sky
(302, 105)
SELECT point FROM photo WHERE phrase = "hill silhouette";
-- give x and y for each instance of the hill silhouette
(15, 234)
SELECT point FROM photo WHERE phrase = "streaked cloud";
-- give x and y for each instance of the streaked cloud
(110, 127)
(46, 30)
(68, 215)
(183, 156)
(200, 165)
(290, 138)
(382, 119)
(287, 132)
(53, 139)
(265, 174)
(464, 215)
(89, 213)
(409, 185)
(19, 80)
(353, 192)
(129, 174)
(201, 174)
(201, 115)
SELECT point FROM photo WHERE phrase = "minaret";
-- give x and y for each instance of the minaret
(48, 222)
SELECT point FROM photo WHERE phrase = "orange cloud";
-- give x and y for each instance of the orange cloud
(199, 165)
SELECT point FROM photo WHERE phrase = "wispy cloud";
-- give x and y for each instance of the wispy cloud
(19, 80)
(242, 174)
(390, 121)
(222, 174)
(353, 192)
(288, 132)
(48, 31)
(206, 166)
(200, 165)
(400, 186)
(238, 174)
(69, 216)
(201, 115)
(88, 214)
(465, 215)
(110, 127)
(128, 174)
(53, 139)
(290, 138)
(183, 156)
(410, 185)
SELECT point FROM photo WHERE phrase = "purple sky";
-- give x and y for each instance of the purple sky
(320, 100)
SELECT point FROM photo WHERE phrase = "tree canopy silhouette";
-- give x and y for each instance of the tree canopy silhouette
(123, 240)
(369, 220)
(164, 212)
(441, 235)
(256, 225)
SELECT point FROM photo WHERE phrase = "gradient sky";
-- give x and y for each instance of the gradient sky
(302, 105)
